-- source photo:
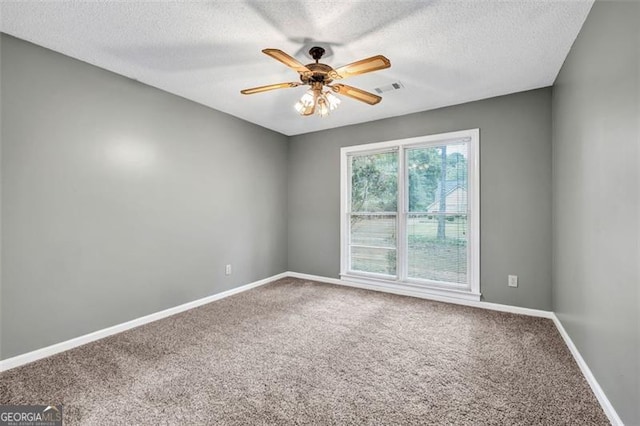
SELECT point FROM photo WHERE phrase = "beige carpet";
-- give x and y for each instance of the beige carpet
(298, 352)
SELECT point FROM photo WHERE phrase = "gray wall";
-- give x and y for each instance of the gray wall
(596, 215)
(515, 187)
(119, 200)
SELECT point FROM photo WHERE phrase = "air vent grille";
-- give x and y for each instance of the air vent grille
(389, 87)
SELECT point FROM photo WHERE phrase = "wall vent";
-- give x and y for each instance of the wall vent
(389, 87)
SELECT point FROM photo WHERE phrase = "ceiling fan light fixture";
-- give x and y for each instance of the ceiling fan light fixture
(305, 105)
(322, 107)
(322, 103)
(332, 100)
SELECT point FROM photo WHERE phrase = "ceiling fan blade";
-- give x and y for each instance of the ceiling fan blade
(286, 59)
(373, 63)
(268, 87)
(357, 94)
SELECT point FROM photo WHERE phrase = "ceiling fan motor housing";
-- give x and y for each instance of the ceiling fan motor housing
(319, 73)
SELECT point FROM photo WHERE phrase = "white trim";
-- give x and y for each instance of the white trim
(425, 295)
(402, 240)
(473, 206)
(588, 375)
(401, 280)
(606, 405)
(407, 288)
(419, 140)
(345, 189)
(28, 357)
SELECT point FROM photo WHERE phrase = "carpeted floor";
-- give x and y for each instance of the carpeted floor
(299, 352)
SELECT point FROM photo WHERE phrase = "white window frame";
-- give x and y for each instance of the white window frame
(401, 282)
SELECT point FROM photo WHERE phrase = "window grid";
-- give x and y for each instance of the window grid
(458, 224)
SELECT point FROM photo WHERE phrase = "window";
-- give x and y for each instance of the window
(410, 214)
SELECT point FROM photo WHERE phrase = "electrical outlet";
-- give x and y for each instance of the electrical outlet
(513, 281)
(227, 270)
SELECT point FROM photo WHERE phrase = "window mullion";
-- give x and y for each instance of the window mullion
(401, 232)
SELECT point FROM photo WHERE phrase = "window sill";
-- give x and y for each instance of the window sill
(408, 289)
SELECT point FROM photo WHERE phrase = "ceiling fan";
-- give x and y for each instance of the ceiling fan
(320, 97)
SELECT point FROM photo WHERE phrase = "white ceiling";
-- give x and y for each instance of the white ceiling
(444, 52)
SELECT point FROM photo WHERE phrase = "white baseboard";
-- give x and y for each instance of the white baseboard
(100, 334)
(28, 357)
(588, 375)
(422, 295)
(586, 371)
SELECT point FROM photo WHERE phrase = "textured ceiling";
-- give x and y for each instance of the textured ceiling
(443, 52)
